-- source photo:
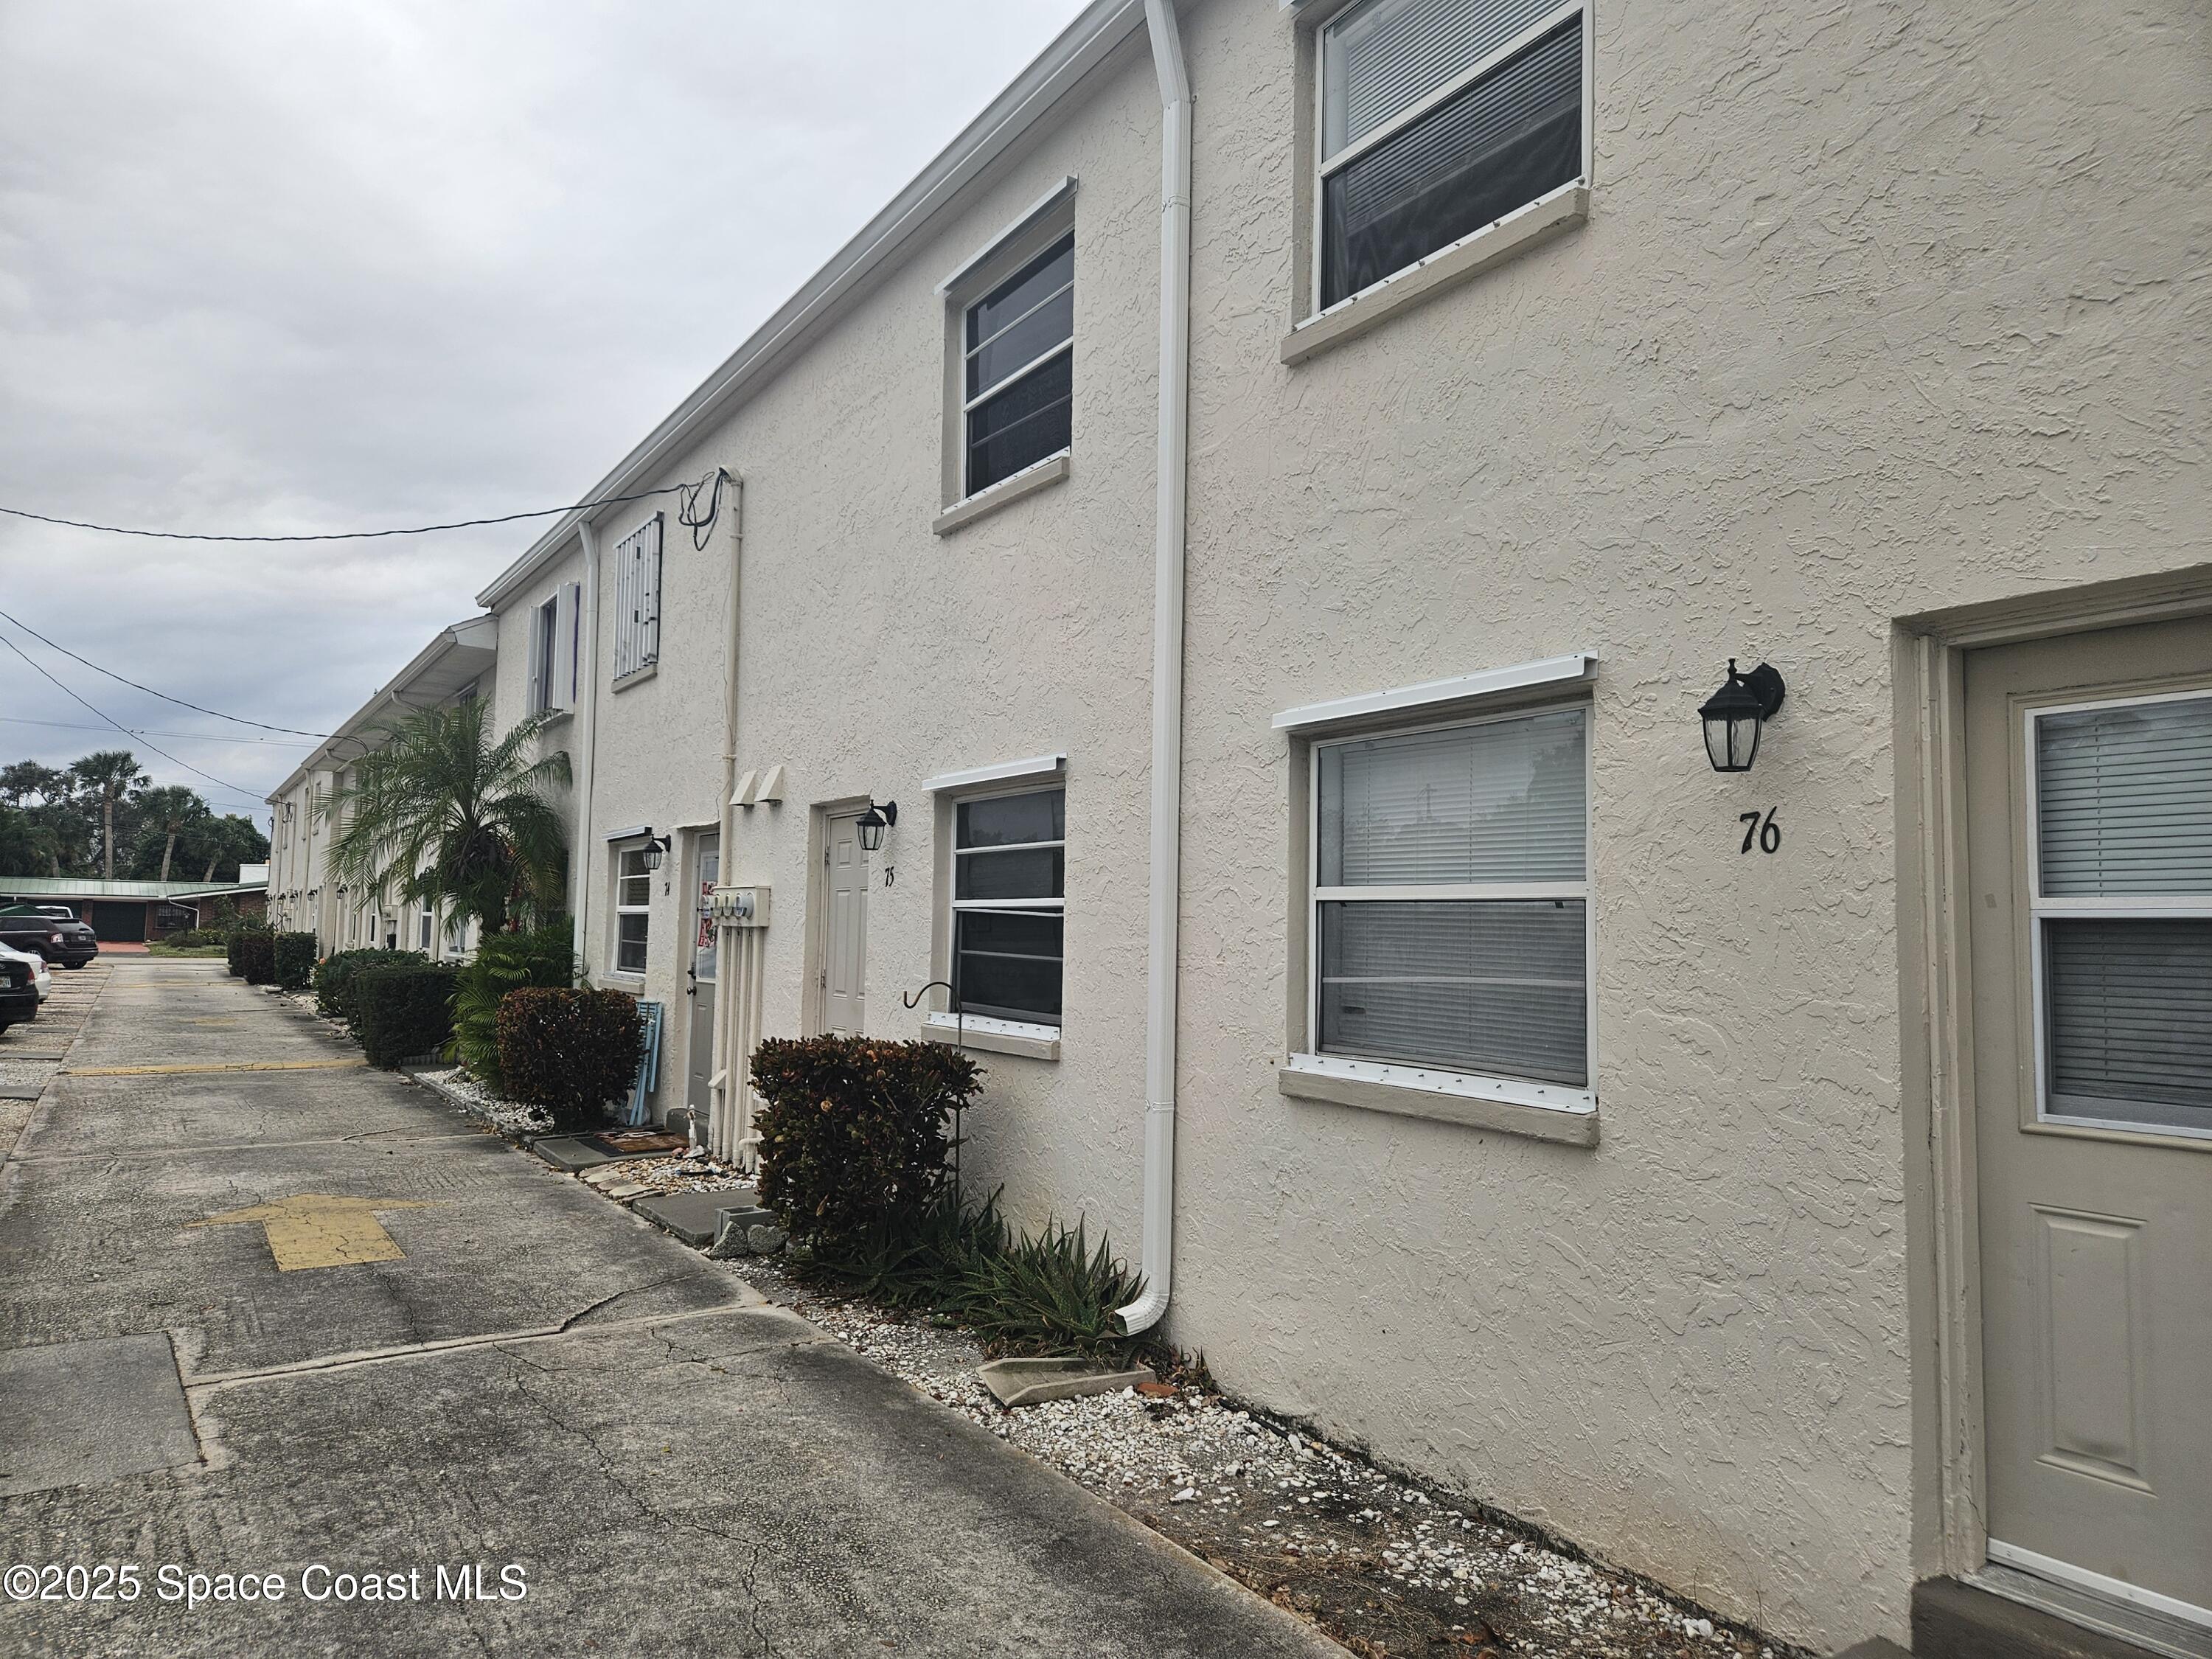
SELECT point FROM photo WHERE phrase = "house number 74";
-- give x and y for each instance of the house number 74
(1764, 831)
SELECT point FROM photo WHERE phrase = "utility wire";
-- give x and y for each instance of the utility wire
(364, 535)
(243, 795)
(196, 709)
(144, 731)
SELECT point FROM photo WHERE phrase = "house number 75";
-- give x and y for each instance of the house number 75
(1764, 831)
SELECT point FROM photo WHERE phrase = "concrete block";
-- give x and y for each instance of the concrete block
(695, 1218)
(1032, 1382)
(86, 1414)
(570, 1153)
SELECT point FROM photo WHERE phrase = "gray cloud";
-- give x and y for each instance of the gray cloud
(267, 267)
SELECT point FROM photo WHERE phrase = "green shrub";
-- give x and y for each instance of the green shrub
(854, 1133)
(570, 1052)
(406, 1009)
(295, 960)
(253, 956)
(504, 962)
(192, 937)
(923, 1261)
(334, 975)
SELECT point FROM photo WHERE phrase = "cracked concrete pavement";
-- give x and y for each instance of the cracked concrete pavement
(537, 1378)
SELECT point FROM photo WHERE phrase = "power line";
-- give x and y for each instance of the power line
(196, 709)
(144, 731)
(243, 795)
(353, 535)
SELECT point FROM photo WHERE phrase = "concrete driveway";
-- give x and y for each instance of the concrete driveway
(605, 1443)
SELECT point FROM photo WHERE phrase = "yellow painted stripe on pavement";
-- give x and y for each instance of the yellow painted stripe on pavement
(226, 1065)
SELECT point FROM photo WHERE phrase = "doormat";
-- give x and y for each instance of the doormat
(636, 1143)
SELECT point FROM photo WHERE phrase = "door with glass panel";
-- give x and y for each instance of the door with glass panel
(2089, 798)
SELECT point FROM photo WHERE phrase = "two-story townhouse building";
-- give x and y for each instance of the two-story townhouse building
(1211, 605)
(459, 661)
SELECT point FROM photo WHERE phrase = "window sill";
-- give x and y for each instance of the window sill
(1503, 1104)
(1495, 243)
(997, 1036)
(1037, 476)
(550, 719)
(636, 677)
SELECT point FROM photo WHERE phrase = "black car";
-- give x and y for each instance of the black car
(51, 930)
(19, 993)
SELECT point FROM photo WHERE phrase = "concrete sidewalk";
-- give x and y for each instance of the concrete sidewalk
(529, 1377)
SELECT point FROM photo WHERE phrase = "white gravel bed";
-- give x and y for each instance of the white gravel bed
(1387, 1567)
(508, 1116)
(674, 1172)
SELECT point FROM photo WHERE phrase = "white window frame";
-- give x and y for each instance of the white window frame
(425, 927)
(637, 600)
(554, 649)
(619, 910)
(997, 1025)
(1323, 166)
(1515, 1090)
(2093, 908)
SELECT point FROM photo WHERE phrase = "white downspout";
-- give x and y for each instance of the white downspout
(587, 719)
(733, 989)
(1161, 959)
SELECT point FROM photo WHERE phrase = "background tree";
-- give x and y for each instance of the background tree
(221, 844)
(444, 814)
(58, 828)
(112, 776)
(164, 815)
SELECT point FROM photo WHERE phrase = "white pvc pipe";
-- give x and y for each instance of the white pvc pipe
(580, 861)
(1160, 956)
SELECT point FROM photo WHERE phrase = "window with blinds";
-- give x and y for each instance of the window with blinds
(1438, 117)
(1450, 898)
(637, 599)
(1018, 369)
(2123, 911)
(1009, 903)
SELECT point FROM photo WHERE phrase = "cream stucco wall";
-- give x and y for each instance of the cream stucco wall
(1877, 310)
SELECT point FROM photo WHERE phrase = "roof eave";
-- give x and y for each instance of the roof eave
(1080, 48)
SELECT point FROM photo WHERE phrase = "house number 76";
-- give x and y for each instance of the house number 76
(1764, 831)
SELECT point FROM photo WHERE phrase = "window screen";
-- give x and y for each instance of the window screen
(1008, 905)
(1439, 117)
(1018, 369)
(2124, 854)
(1451, 903)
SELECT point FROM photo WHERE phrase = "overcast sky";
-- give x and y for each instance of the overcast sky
(274, 267)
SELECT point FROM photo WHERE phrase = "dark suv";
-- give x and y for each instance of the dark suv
(51, 930)
(19, 993)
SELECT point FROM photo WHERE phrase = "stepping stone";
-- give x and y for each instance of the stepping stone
(22, 1091)
(1032, 1382)
(692, 1216)
(570, 1152)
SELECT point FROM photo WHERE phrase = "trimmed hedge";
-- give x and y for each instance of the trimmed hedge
(854, 1132)
(253, 955)
(571, 1053)
(504, 962)
(295, 960)
(334, 978)
(406, 1010)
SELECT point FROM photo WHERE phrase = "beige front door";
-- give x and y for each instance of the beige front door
(844, 927)
(2089, 802)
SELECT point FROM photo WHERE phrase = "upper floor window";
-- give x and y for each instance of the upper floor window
(1018, 369)
(554, 629)
(1437, 119)
(637, 600)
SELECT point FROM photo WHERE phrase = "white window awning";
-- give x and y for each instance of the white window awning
(1440, 696)
(1038, 766)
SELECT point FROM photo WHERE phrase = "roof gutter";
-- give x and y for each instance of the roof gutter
(1082, 46)
(1170, 502)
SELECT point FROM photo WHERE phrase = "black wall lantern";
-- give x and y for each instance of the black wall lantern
(1733, 714)
(655, 849)
(879, 816)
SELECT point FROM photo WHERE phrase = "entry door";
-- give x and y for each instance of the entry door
(708, 871)
(2089, 787)
(844, 927)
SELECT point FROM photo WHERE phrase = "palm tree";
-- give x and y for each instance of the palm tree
(445, 814)
(113, 774)
(168, 812)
